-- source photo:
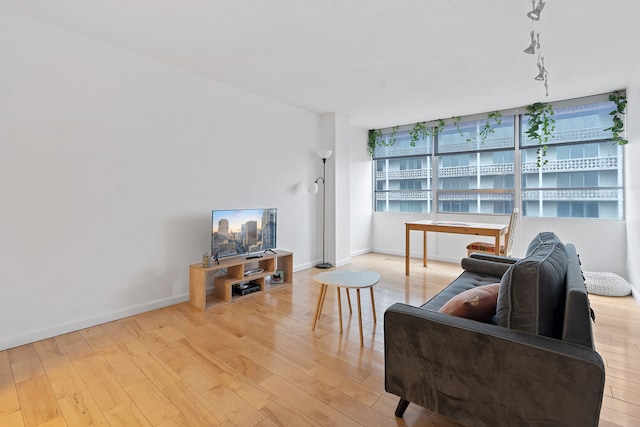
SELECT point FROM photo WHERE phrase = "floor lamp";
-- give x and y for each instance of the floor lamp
(324, 155)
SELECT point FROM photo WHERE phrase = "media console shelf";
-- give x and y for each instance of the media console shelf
(236, 267)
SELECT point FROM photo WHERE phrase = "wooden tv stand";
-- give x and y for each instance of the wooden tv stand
(236, 267)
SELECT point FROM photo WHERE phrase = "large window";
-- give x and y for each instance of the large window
(475, 174)
(462, 170)
(583, 174)
(403, 174)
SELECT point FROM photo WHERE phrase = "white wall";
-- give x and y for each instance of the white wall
(361, 180)
(342, 180)
(632, 182)
(600, 243)
(348, 221)
(111, 163)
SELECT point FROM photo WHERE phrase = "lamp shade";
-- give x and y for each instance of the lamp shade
(534, 15)
(313, 188)
(324, 154)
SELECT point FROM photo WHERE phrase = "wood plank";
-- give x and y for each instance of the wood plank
(197, 410)
(304, 403)
(155, 406)
(13, 419)
(103, 386)
(127, 415)
(62, 375)
(26, 369)
(80, 409)
(38, 403)
(9, 402)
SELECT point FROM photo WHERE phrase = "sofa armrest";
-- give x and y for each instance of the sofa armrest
(479, 374)
(484, 267)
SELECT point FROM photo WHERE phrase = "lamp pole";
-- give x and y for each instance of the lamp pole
(324, 155)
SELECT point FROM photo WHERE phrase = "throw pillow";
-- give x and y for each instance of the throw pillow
(478, 303)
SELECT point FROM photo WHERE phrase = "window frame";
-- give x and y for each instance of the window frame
(437, 194)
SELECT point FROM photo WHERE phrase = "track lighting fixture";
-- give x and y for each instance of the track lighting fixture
(534, 46)
(535, 43)
(543, 71)
(534, 15)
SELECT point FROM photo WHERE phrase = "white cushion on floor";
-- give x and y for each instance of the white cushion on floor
(609, 284)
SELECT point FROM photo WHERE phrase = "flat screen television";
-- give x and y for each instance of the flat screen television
(242, 231)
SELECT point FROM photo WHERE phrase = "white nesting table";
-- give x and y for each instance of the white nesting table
(349, 280)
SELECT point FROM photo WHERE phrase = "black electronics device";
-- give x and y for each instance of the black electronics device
(246, 288)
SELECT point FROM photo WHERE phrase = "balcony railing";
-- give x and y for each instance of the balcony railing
(573, 165)
(494, 197)
(404, 174)
(585, 194)
(552, 166)
(404, 195)
(572, 135)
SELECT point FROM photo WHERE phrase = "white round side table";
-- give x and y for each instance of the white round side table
(349, 280)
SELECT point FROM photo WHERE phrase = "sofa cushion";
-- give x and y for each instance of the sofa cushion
(478, 303)
(531, 297)
(543, 238)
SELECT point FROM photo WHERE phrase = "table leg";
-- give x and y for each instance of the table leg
(424, 248)
(360, 318)
(348, 299)
(406, 250)
(497, 247)
(316, 316)
(324, 295)
(373, 306)
(340, 307)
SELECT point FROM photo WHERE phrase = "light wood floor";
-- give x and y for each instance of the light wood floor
(257, 362)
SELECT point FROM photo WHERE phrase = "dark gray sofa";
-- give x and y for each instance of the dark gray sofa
(536, 366)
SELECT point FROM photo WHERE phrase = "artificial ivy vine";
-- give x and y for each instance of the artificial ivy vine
(420, 131)
(377, 140)
(541, 128)
(496, 116)
(617, 127)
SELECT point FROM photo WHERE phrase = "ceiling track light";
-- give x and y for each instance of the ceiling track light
(546, 82)
(534, 15)
(542, 71)
(535, 44)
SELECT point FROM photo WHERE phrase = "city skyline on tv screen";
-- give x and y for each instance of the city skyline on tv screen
(242, 231)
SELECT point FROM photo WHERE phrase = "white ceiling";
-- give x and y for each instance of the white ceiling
(379, 62)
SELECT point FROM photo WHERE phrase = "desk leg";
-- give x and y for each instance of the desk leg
(406, 250)
(340, 307)
(360, 318)
(373, 306)
(424, 248)
(316, 316)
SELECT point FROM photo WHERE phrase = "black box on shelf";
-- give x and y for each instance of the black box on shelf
(246, 288)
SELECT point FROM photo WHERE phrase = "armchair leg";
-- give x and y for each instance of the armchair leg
(402, 406)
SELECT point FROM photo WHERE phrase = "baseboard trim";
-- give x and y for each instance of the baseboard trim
(419, 256)
(636, 295)
(87, 322)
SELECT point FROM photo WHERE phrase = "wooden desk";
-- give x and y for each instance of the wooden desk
(474, 228)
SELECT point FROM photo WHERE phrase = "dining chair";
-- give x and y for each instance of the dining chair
(505, 250)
